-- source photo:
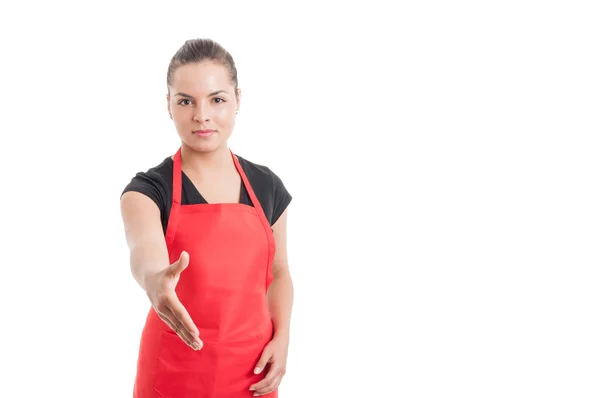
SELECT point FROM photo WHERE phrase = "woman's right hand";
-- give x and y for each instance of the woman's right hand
(160, 288)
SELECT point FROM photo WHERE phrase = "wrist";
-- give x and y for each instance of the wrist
(148, 281)
(282, 333)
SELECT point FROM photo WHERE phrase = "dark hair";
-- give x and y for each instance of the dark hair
(199, 50)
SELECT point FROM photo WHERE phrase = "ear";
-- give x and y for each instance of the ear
(169, 106)
(238, 99)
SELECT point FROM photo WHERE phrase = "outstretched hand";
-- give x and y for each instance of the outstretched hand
(160, 289)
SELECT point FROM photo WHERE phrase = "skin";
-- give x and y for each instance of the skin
(194, 104)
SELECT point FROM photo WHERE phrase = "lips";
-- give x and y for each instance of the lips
(204, 132)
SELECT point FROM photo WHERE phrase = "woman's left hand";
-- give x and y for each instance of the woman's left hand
(275, 355)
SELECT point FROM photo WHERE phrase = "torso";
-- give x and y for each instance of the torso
(224, 290)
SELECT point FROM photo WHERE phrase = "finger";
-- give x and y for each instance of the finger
(268, 389)
(181, 264)
(271, 386)
(268, 381)
(262, 362)
(177, 330)
(182, 316)
(171, 307)
(258, 394)
(167, 321)
(191, 340)
(170, 320)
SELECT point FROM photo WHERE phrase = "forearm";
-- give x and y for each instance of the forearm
(147, 259)
(280, 297)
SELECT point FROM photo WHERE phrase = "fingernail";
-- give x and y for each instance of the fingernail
(256, 370)
(196, 346)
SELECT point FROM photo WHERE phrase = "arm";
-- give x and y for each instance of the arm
(143, 231)
(149, 262)
(280, 295)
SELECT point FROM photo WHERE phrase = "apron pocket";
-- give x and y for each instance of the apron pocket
(182, 372)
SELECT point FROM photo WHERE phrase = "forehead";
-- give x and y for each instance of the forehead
(199, 77)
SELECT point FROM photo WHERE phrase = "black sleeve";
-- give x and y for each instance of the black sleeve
(152, 185)
(281, 198)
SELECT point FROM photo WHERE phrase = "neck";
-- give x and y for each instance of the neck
(205, 162)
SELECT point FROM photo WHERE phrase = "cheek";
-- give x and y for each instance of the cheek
(179, 121)
(225, 113)
(225, 117)
(180, 115)
(181, 125)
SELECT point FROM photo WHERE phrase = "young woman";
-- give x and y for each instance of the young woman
(206, 231)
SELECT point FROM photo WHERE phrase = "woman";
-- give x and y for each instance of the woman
(202, 228)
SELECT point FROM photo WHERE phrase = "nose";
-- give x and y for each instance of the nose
(201, 113)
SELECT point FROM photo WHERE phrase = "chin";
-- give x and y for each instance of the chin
(207, 146)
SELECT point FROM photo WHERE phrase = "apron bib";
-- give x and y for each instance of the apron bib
(231, 249)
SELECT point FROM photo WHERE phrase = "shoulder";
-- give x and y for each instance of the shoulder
(154, 182)
(267, 182)
(260, 174)
(256, 170)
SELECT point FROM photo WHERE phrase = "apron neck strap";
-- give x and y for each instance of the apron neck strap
(177, 185)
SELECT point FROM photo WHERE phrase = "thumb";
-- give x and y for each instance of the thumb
(182, 263)
(262, 362)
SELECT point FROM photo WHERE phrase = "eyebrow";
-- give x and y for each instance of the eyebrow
(210, 95)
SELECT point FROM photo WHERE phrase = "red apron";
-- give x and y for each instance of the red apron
(231, 249)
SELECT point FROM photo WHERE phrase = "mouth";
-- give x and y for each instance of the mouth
(203, 133)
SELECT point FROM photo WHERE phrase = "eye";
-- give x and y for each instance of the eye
(219, 98)
(182, 101)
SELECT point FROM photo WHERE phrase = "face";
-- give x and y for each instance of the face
(202, 97)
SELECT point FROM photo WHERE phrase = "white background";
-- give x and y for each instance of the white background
(444, 163)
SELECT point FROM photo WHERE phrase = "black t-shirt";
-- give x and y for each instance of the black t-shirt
(157, 184)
